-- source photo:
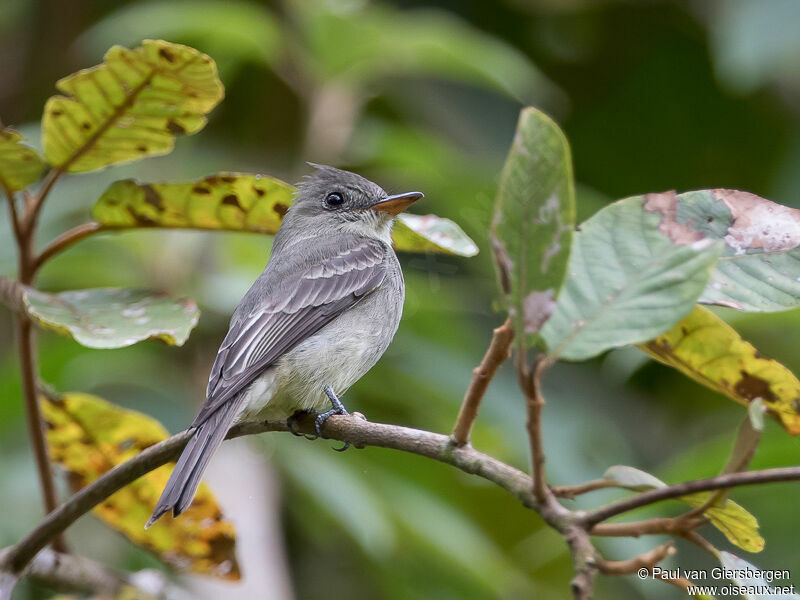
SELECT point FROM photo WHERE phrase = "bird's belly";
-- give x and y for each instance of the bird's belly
(337, 356)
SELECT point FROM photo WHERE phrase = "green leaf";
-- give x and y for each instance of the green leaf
(738, 525)
(254, 203)
(20, 165)
(429, 233)
(113, 318)
(89, 436)
(533, 220)
(760, 265)
(629, 280)
(129, 107)
(707, 349)
(755, 582)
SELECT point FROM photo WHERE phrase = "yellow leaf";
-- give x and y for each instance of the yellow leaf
(129, 107)
(20, 165)
(88, 436)
(708, 350)
(738, 525)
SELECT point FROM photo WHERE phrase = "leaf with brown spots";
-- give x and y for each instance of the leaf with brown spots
(759, 269)
(113, 318)
(88, 436)
(534, 217)
(708, 350)
(253, 203)
(129, 107)
(20, 165)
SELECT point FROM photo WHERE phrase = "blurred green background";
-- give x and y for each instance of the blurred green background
(419, 95)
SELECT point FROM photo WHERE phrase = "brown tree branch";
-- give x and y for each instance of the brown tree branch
(584, 559)
(690, 487)
(644, 561)
(530, 383)
(349, 428)
(662, 525)
(498, 351)
(34, 418)
(570, 491)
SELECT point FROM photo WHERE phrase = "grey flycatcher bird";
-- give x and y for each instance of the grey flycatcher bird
(319, 317)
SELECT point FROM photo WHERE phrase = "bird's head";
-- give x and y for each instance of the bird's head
(335, 200)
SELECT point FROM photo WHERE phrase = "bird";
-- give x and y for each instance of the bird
(321, 314)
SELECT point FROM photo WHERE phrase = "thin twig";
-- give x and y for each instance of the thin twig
(661, 525)
(530, 382)
(570, 491)
(690, 487)
(350, 428)
(701, 542)
(12, 209)
(65, 240)
(644, 561)
(34, 419)
(498, 351)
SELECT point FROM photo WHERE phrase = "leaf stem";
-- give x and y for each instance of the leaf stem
(496, 354)
(65, 240)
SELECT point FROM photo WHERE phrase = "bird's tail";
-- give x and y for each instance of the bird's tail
(182, 484)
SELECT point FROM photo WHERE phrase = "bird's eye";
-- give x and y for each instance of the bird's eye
(334, 199)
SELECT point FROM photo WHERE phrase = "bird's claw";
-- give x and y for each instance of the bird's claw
(337, 409)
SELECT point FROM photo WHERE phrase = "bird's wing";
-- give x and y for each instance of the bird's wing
(304, 302)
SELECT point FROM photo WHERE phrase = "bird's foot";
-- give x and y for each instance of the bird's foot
(337, 409)
(291, 422)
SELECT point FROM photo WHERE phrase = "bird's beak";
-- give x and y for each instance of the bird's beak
(396, 204)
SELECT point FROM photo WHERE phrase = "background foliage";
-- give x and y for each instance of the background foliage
(415, 95)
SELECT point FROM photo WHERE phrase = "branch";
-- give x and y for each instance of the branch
(343, 428)
(570, 491)
(498, 351)
(27, 361)
(690, 487)
(644, 561)
(662, 525)
(530, 383)
(12, 209)
(65, 240)
(584, 559)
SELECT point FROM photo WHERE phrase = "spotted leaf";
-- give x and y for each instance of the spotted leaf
(88, 436)
(245, 202)
(707, 349)
(20, 165)
(129, 107)
(759, 269)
